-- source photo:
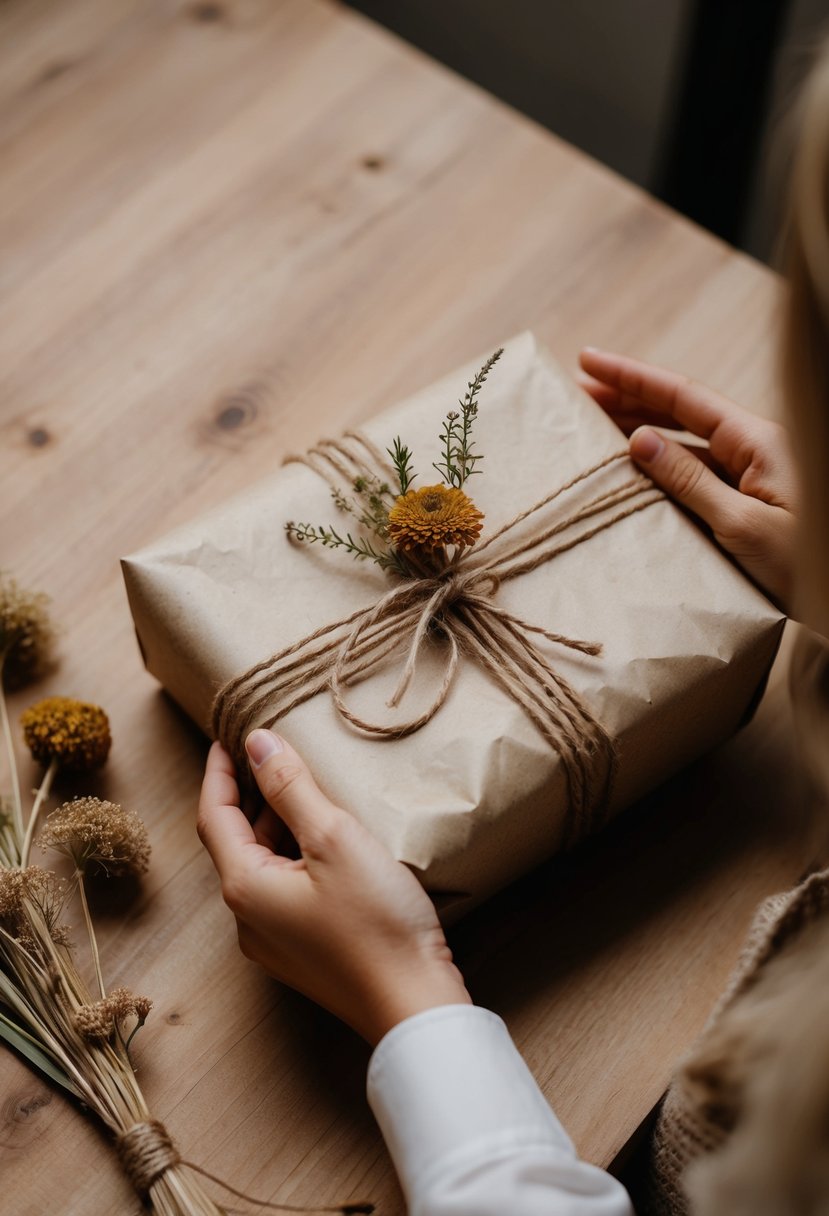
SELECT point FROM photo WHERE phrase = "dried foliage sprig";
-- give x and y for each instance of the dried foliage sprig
(410, 532)
(48, 1014)
(459, 461)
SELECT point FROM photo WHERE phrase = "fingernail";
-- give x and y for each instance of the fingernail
(260, 744)
(645, 444)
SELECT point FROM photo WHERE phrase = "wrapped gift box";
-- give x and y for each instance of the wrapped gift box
(477, 795)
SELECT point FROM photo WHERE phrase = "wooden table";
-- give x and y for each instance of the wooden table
(228, 227)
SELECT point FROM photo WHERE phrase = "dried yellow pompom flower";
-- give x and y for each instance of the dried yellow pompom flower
(433, 517)
(75, 734)
(93, 831)
(26, 634)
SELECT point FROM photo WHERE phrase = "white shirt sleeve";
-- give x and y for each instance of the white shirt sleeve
(468, 1129)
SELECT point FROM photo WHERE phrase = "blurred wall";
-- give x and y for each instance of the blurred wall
(624, 79)
(600, 73)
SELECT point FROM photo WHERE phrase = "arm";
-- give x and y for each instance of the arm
(742, 483)
(323, 907)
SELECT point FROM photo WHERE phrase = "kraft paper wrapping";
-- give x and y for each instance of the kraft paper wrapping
(476, 797)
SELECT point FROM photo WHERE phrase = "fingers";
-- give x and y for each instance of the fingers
(271, 832)
(686, 478)
(641, 386)
(627, 412)
(223, 829)
(288, 787)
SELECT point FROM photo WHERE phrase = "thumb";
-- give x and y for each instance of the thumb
(683, 475)
(288, 787)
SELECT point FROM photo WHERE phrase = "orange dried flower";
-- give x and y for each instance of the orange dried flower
(432, 517)
(75, 734)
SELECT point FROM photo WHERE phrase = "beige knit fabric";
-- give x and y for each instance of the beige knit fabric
(688, 1126)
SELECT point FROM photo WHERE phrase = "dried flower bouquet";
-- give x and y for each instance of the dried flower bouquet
(79, 1037)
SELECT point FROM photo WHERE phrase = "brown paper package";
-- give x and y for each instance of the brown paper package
(476, 797)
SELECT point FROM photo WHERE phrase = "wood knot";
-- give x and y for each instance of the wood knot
(239, 408)
(173, 1018)
(207, 11)
(373, 163)
(52, 71)
(233, 417)
(23, 1117)
(38, 437)
(23, 1109)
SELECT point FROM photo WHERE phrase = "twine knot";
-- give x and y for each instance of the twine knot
(458, 603)
(146, 1151)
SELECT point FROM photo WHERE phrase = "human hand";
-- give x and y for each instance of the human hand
(344, 923)
(743, 485)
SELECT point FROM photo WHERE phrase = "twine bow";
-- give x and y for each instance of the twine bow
(457, 603)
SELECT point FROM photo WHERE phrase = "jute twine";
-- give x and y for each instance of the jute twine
(455, 601)
(147, 1151)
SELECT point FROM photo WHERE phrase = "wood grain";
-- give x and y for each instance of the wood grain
(228, 227)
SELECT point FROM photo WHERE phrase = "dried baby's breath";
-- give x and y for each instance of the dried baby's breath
(73, 734)
(94, 831)
(12, 890)
(32, 889)
(26, 634)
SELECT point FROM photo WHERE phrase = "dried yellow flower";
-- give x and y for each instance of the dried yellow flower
(93, 831)
(26, 634)
(75, 734)
(433, 517)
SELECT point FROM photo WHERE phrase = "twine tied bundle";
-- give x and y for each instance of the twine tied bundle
(455, 601)
(147, 1153)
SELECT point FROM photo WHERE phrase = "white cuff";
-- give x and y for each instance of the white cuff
(449, 1079)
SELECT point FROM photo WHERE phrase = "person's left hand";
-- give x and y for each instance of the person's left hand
(344, 923)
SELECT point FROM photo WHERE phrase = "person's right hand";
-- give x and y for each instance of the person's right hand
(343, 922)
(743, 485)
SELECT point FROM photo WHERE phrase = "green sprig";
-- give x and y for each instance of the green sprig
(401, 457)
(360, 549)
(459, 460)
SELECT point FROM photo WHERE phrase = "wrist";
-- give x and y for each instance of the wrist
(401, 996)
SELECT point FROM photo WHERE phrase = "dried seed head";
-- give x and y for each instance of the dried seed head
(143, 1005)
(96, 1021)
(49, 894)
(73, 733)
(26, 634)
(12, 890)
(93, 831)
(29, 900)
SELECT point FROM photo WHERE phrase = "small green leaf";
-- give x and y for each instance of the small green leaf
(17, 1038)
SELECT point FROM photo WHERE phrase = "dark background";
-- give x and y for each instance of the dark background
(681, 96)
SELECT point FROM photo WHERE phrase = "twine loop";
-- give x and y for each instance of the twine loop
(456, 602)
(146, 1151)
